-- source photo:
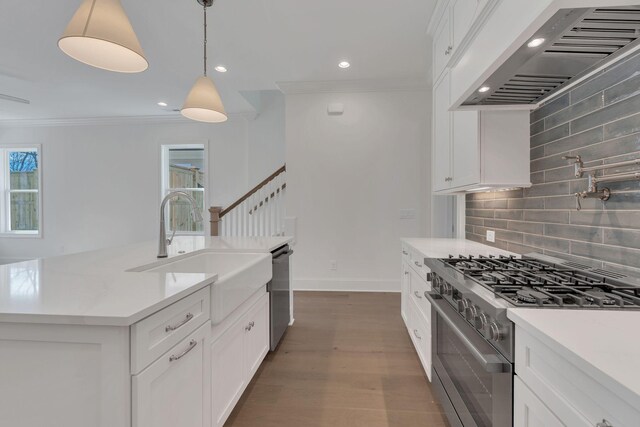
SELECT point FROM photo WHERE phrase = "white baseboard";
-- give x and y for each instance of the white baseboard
(346, 285)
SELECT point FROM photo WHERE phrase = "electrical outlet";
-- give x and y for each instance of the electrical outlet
(333, 265)
(491, 236)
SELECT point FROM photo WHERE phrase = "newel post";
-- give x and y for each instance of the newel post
(215, 211)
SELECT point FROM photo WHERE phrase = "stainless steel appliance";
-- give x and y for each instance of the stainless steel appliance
(571, 44)
(473, 340)
(279, 289)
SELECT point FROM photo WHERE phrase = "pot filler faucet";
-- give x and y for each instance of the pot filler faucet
(195, 214)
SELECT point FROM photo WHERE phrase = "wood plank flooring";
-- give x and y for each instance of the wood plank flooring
(347, 361)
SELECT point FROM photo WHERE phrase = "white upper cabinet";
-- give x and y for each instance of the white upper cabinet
(463, 13)
(441, 135)
(442, 45)
(477, 149)
(453, 27)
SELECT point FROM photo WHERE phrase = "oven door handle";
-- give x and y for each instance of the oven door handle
(490, 362)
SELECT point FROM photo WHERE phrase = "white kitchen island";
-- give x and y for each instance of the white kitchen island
(86, 341)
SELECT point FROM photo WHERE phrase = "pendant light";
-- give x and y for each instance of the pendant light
(203, 103)
(100, 35)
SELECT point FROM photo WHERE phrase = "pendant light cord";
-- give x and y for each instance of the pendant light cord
(205, 38)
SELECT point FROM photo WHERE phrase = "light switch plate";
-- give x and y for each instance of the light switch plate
(491, 236)
(407, 213)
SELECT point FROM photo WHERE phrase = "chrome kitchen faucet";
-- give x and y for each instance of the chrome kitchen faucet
(195, 214)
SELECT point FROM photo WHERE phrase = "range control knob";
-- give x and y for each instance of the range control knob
(463, 304)
(495, 332)
(481, 321)
(446, 288)
(472, 312)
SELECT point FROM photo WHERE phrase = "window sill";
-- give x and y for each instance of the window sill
(23, 235)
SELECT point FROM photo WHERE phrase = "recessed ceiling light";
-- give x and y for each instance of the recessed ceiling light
(344, 64)
(162, 104)
(221, 69)
(484, 89)
(536, 42)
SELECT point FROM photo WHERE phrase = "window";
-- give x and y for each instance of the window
(20, 181)
(183, 169)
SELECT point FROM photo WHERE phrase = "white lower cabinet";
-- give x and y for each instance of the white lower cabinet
(173, 390)
(415, 307)
(528, 410)
(236, 355)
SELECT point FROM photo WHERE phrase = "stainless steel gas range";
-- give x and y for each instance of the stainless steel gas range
(473, 340)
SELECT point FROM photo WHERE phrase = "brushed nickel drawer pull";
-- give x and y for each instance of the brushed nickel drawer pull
(415, 332)
(604, 423)
(405, 253)
(179, 325)
(417, 264)
(417, 294)
(192, 345)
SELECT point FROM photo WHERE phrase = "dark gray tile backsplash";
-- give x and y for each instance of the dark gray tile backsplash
(599, 120)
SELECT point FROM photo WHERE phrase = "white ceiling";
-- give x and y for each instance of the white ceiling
(261, 42)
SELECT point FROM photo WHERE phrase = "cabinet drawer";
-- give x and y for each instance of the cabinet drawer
(174, 390)
(420, 331)
(528, 410)
(573, 395)
(155, 335)
(417, 291)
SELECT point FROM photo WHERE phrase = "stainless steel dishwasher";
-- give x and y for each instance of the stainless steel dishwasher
(279, 295)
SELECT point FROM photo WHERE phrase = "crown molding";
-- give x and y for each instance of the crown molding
(115, 120)
(341, 86)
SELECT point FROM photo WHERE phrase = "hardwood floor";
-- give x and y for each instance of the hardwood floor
(347, 361)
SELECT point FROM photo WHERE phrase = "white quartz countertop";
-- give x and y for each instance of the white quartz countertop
(442, 248)
(602, 343)
(96, 288)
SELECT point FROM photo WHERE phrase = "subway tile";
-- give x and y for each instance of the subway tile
(526, 227)
(605, 253)
(475, 221)
(521, 249)
(480, 213)
(475, 238)
(545, 243)
(536, 127)
(622, 90)
(572, 232)
(547, 216)
(468, 228)
(611, 76)
(532, 203)
(611, 219)
(610, 148)
(623, 201)
(569, 203)
(625, 126)
(550, 135)
(481, 231)
(496, 223)
(537, 177)
(547, 163)
(550, 107)
(516, 193)
(573, 142)
(552, 189)
(496, 204)
(489, 195)
(622, 237)
(509, 214)
(605, 115)
(576, 110)
(474, 204)
(509, 236)
(537, 152)
(566, 173)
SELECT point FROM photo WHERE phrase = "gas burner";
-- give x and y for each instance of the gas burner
(531, 296)
(597, 295)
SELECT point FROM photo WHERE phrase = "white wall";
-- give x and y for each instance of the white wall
(266, 137)
(348, 178)
(101, 183)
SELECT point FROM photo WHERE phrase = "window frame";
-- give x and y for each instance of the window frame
(5, 187)
(164, 182)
